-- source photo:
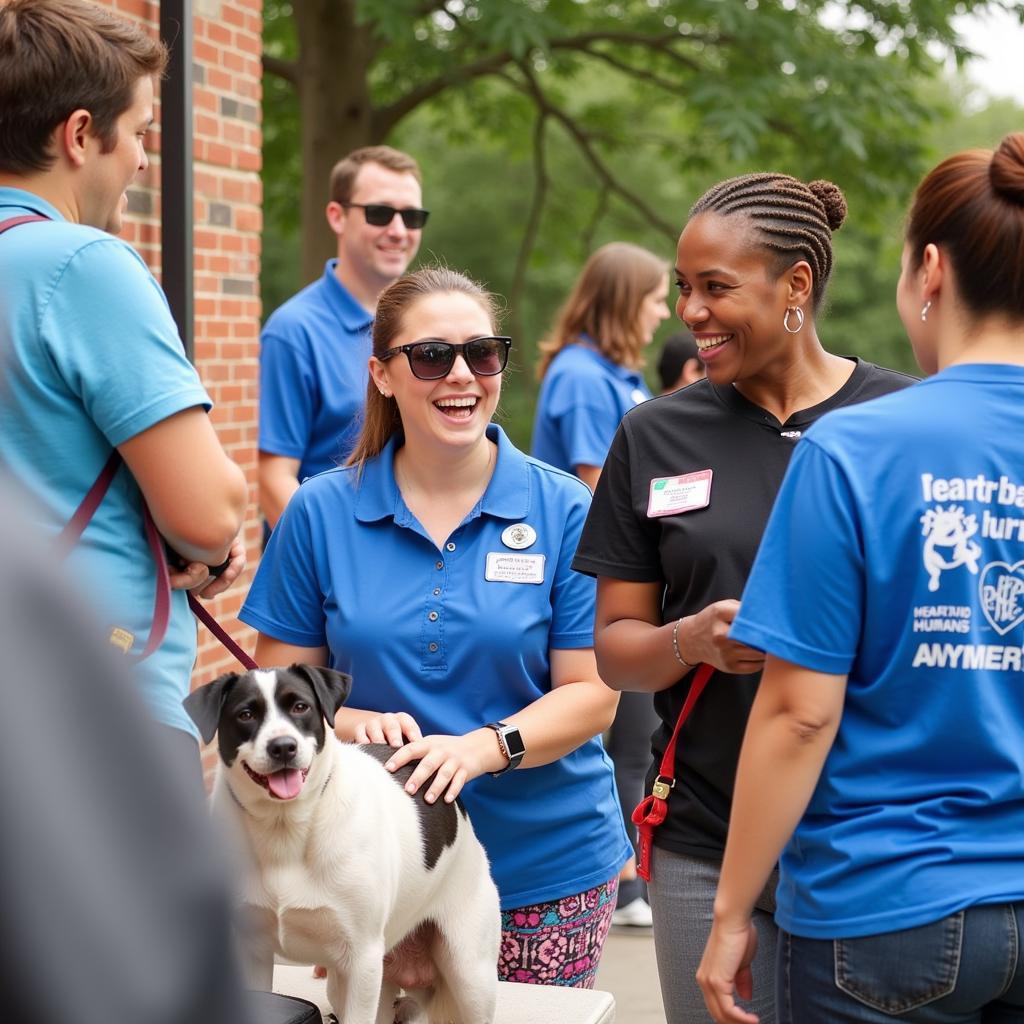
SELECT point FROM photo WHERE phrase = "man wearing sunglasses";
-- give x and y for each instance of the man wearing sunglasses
(314, 349)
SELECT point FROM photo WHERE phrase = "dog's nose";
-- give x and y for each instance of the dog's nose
(282, 749)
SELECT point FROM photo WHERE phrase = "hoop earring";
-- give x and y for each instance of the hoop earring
(925, 308)
(799, 319)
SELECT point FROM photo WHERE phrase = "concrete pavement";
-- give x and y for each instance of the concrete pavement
(628, 970)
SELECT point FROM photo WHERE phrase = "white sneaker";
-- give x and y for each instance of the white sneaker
(636, 914)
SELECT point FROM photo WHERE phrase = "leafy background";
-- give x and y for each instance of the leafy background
(769, 87)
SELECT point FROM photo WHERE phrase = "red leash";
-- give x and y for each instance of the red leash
(651, 811)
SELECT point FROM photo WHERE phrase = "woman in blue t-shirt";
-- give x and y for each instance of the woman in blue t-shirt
(590, 378)
(886, 742)
(435, 569)
(590, 364)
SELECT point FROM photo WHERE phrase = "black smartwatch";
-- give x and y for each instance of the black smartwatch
(512, 746)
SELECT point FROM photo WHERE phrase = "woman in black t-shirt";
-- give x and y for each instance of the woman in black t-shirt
(680, 508)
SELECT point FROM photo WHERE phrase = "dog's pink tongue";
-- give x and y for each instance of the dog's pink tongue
(286, 783)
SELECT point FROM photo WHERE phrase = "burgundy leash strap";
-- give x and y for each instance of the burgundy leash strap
(75, 527)
(219, 632)
(13, 222)
(651, 811)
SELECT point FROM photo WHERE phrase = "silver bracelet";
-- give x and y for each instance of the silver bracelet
(675, 646)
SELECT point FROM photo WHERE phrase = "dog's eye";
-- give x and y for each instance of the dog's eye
(300, 707)
(245, 715)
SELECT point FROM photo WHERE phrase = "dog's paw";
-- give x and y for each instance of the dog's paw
(408, 1011)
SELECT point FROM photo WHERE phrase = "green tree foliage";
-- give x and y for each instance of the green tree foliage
(548, 127)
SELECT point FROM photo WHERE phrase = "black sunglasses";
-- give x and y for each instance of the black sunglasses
(432, 359)
(380, 215)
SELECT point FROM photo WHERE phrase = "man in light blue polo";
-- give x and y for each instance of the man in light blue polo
(314, 349)
(92, 360)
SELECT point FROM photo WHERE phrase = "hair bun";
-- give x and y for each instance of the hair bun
(831, 197)
(1006, 169)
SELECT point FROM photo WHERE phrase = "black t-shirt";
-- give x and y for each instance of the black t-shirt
(700, 557)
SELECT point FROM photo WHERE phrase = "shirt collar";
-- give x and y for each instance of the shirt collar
(352, 315)
(507, 495)
(18, 197)
(589, 346)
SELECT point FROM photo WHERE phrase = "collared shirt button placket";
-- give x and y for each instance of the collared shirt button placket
(433, 616)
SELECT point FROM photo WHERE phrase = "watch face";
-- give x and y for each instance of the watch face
(514, 743)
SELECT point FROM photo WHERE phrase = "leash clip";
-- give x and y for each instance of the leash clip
(662, 787)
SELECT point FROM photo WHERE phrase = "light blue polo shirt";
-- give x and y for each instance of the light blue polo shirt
(92, 358)
(425, 631)
(314, 351)
(583, 397)
(895, 554)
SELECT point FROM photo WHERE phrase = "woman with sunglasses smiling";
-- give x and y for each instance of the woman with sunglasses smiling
(435, 568)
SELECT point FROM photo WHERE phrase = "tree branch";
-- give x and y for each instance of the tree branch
(540, 188)
(286, 69)
(579, 136)
(600, 209)
(385, 118)
(638, 73)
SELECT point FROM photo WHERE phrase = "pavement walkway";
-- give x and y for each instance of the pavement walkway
(628, 970)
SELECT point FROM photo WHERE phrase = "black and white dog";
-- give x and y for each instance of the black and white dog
(345, 864)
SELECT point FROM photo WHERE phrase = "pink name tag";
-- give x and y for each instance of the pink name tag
(673, 494)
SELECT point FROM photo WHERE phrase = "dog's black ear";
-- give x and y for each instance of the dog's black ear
(203, 705)
(331, 688)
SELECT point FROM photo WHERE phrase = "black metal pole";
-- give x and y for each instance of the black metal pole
(176, 166)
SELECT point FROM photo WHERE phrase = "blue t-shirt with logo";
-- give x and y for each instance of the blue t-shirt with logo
(458, 637)
(582, 400)
(895, 554)
(91, 357)
(314, 352)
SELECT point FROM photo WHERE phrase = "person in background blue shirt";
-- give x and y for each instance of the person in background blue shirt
(435, 569)
(314, 348)
(886, 741)
(590, 378)
(590, 365)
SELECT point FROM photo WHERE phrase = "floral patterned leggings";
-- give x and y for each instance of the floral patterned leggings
(557, 943)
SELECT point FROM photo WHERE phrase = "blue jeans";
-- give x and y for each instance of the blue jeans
(964, 969)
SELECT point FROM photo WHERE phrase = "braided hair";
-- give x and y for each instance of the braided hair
(793, 221)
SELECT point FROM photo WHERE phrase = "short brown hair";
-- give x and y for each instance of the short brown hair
(381, 419)
(972, 205)
(343, 175)
(59, 56)
(605, 304)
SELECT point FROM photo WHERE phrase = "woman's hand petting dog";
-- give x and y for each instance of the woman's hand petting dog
(451, 761)
(393, 729)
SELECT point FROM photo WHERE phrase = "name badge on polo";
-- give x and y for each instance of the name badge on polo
(506, 567)
(673, 494)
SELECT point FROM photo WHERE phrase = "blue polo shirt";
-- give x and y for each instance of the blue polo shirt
(583, 397)
(895, 555)
(313, 374)
(425, 631)
(91, 358)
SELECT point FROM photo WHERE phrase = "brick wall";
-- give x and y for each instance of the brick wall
(227, 150)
